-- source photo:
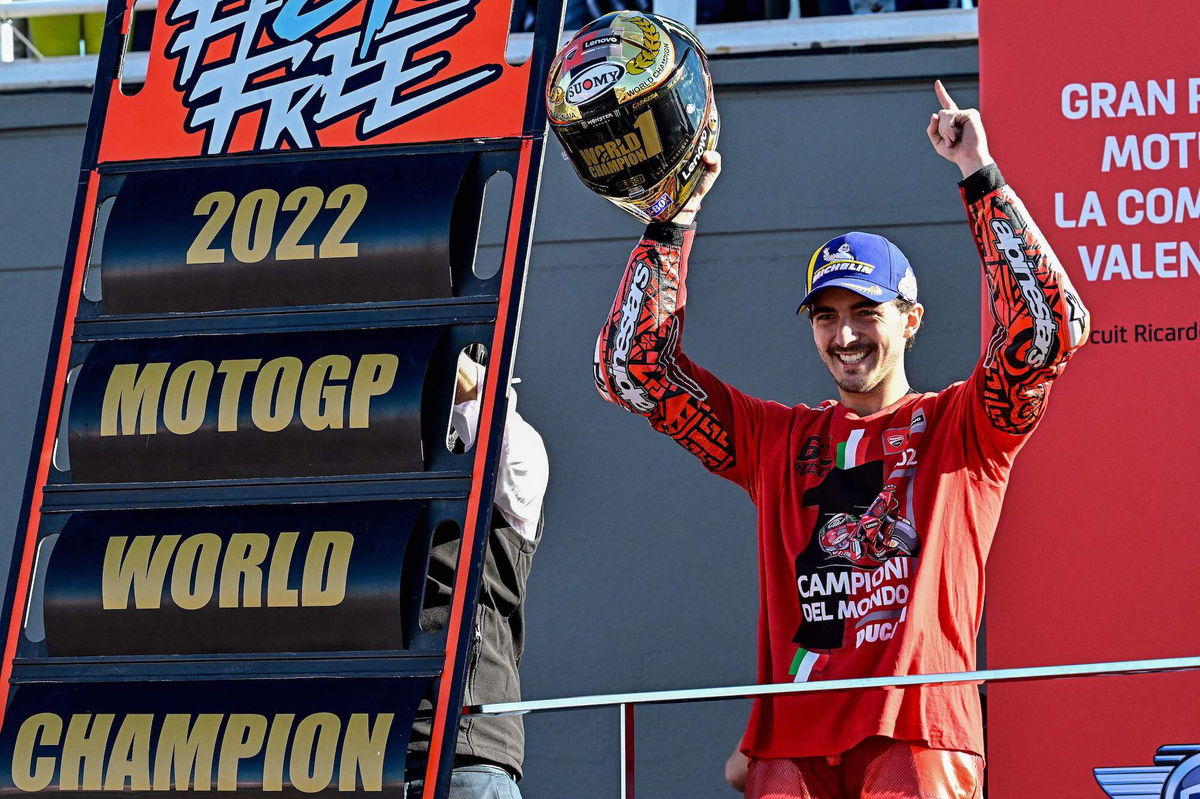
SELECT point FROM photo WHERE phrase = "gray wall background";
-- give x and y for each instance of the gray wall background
(646, 577)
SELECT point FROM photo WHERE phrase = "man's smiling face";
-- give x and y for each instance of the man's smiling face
(861, 341)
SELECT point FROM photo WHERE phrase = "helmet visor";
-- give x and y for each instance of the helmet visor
(624, 152)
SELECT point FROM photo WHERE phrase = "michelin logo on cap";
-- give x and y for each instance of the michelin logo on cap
(863, 269)
(842, 260)
(865, 263)
(843, 253)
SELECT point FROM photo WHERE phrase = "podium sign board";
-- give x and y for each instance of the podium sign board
(1086, 565)
(242, 462)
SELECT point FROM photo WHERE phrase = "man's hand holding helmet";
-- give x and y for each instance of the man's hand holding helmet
(711, 164)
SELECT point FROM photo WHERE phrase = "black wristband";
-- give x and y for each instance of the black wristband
(667, 232)
(981, 182)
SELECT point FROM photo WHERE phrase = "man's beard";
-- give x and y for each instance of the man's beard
(865, 383)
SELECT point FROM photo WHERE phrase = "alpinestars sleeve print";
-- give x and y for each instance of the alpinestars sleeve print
(1038, 318)
(640, 365)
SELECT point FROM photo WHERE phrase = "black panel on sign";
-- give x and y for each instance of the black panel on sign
(289, 405)
(295, 233)
(310, 737)
(243, 579)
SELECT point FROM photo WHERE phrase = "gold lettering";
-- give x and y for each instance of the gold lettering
(321, 405)
(363, 750)
(307, 201)
(235, 372)
(352, 199)
(376, 374)
(243, 738)
(141, 570)
(274, 402)
(133, 398)
(130, 758)
(322, 588)
(86, 742)
(187, 397)
(273, 760)
(254, 226)
(649, 132)
(195, 574)
(184, 759)
(243, 559)
(40, 729)
(278, 593)
(314, 750)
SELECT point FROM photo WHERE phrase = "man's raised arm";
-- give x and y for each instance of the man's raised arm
(1039, 319)
(639, 364)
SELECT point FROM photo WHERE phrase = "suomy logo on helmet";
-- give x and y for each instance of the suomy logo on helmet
(593, 81)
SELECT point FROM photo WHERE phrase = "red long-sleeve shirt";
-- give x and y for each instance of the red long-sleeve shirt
(873, 531)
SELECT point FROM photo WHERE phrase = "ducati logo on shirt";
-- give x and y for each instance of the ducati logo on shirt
(895, 440)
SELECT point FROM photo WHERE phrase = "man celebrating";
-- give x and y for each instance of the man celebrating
(875, 511)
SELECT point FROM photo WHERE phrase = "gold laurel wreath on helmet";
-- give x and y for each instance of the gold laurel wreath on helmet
(653, 43)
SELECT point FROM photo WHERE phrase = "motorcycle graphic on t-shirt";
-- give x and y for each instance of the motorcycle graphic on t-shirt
(855, 574)
(870, 539)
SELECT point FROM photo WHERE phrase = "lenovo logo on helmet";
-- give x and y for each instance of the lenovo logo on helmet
(689, 168)
(594, 81)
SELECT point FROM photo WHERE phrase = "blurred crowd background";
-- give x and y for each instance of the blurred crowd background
(79, 34)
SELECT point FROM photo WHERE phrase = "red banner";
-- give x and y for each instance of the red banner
(1093, 112)
(250, 75)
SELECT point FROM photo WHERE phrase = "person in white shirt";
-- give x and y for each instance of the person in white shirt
(490, 749)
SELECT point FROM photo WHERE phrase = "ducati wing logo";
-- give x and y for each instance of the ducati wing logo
(1174, 775)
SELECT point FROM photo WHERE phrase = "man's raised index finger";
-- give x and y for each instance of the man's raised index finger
(944, 97)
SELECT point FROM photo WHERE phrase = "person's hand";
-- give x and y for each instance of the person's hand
(736, 768)
(466, 386)
(711, 162)
(957, 134)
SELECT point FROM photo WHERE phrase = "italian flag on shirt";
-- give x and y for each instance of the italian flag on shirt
(804, 663)
(851, 452)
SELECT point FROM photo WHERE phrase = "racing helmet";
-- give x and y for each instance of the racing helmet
(630, 99)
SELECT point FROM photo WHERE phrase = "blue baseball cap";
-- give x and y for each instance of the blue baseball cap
(864, 263)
